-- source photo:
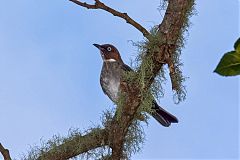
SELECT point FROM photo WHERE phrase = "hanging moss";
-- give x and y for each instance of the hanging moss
(135, 135)
(134, 138)
(180, 92)
(74, 136)
(150, 46)
(144, 64)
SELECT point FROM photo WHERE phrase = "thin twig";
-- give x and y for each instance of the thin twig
(5, 153)
(99, 5)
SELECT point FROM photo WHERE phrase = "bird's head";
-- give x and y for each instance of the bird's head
(109, 53)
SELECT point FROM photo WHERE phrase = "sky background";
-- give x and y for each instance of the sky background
(50, 75)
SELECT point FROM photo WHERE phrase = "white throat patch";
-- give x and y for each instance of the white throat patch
(109, 60)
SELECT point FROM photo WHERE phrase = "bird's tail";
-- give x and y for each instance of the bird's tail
(162, 116)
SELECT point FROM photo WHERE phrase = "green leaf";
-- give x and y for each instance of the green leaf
(229, 65)
(237, 46)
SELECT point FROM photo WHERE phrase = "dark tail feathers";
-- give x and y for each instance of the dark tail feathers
(162, 116)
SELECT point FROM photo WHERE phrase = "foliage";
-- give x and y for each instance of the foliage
(229, 64)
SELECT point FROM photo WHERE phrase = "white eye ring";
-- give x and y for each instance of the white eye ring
(109, 49)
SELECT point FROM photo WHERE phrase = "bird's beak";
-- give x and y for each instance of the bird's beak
(98, 46)
(102, 50)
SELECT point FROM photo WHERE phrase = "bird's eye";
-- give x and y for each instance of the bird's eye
(109, 49)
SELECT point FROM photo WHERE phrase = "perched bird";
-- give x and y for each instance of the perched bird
(112, 70)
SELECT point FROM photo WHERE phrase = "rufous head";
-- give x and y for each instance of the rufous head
(109, 53)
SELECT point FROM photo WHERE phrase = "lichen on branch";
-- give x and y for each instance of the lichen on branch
(75, 144)
(121, 132)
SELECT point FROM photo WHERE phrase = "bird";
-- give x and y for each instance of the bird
(112, 71)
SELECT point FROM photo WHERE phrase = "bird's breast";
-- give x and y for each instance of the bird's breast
(110, 80)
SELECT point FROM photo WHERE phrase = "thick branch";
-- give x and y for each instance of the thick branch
(169, 31)
(5, 153)
(77, 145)
(99, 5)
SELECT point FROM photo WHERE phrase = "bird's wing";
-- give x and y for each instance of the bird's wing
(126, 68)
(102, 84)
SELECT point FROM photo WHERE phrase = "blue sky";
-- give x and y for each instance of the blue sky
(50, 76)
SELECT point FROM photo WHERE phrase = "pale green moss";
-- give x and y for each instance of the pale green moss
(135, 135)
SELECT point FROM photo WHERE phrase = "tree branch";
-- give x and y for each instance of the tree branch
(5, 153)
(99, 5)
(170, 31)
(77, 145)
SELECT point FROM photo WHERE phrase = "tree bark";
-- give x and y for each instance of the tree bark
(77, 145)
(5, 153)
(170, 31)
